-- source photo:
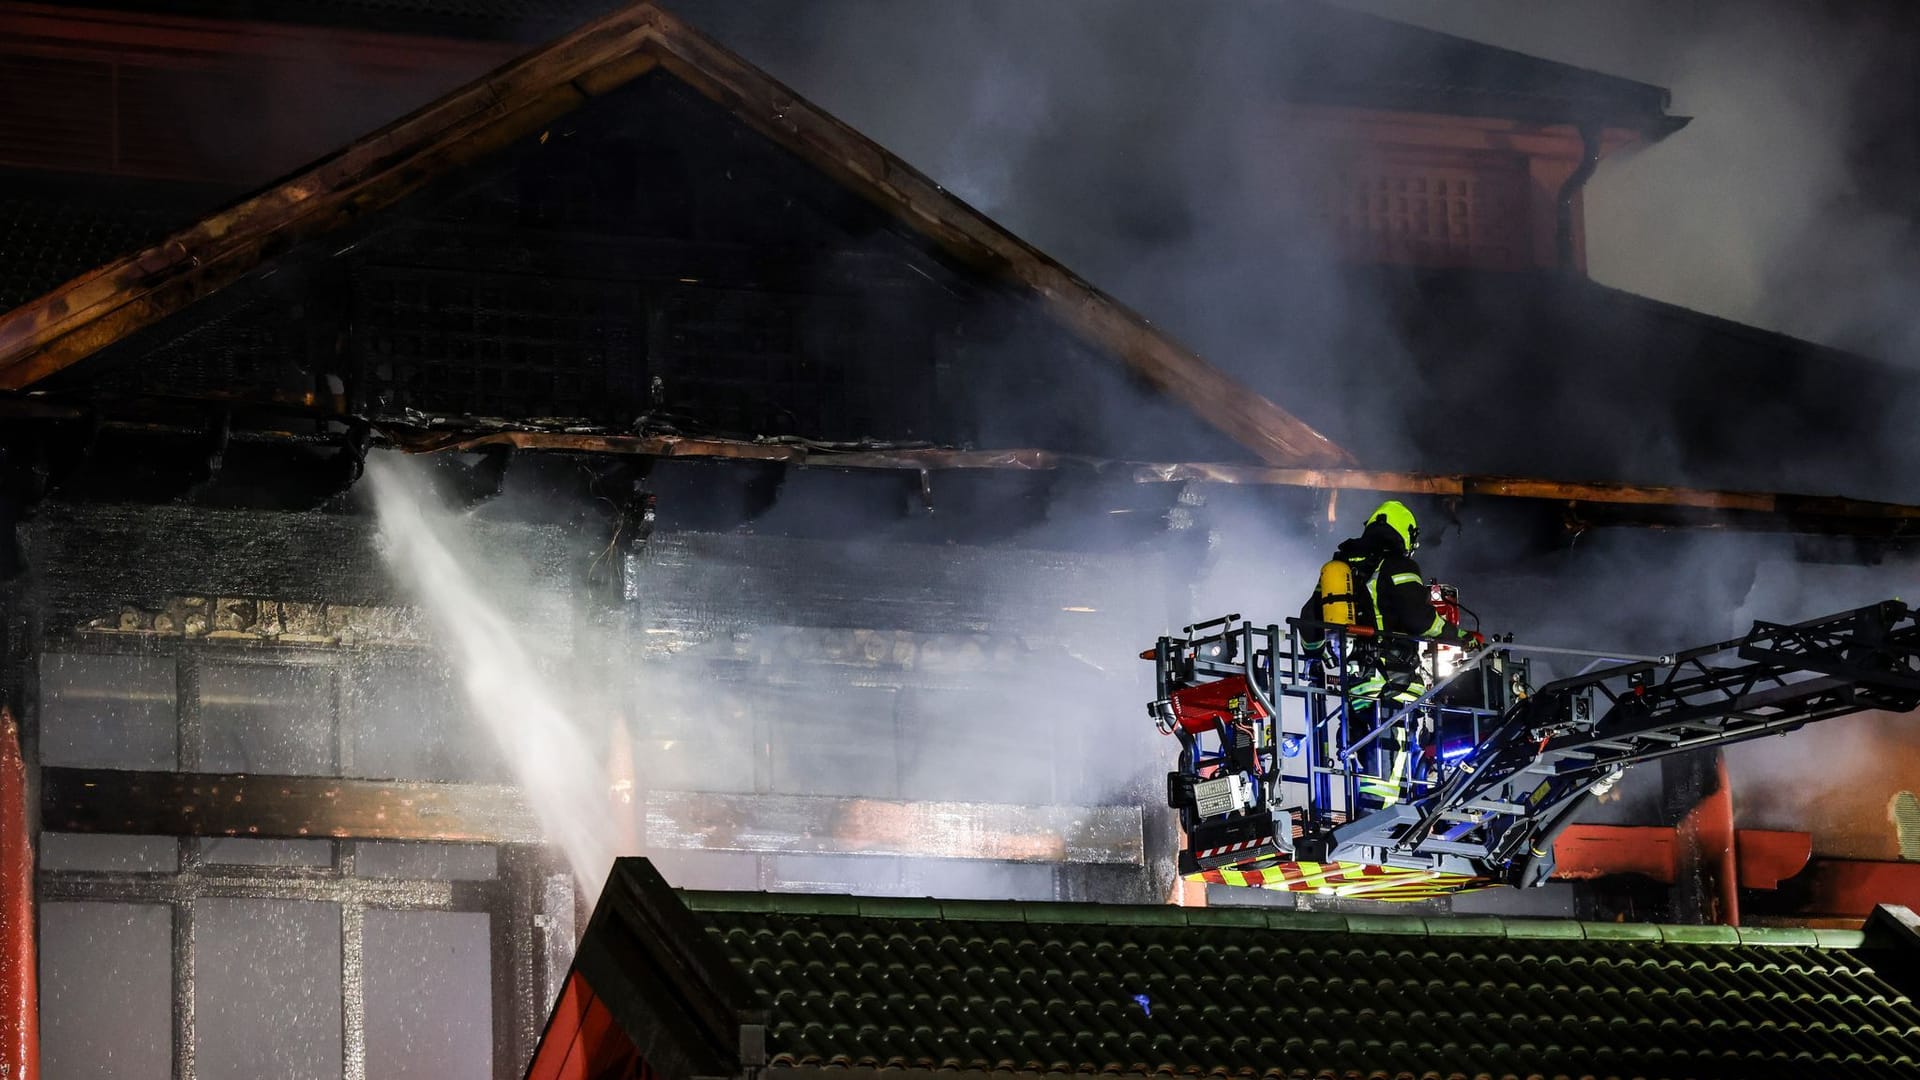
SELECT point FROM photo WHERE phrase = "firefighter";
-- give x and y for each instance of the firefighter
(1402, 602)
(1382, 586)
(1372, 581)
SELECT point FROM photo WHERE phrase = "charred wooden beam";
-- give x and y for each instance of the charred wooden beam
(105, 305)
(205, 804)
(1586, 504)
(198, 804)
(1663, 506)
(275, 882)
(799, 824)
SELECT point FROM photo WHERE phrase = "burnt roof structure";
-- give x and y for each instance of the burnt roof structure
(732, 984)
(519, 103)
(143, 327)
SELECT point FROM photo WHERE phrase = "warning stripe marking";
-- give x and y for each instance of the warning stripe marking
(1242, 845)
(1359, 880)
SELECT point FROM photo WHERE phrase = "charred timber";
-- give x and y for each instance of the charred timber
(1748, 509)
(197, 804)
(1585, 504)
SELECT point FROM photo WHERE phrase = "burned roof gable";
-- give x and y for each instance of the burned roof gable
(634, 225)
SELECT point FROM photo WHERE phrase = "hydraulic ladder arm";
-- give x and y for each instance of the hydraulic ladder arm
(1505, 803)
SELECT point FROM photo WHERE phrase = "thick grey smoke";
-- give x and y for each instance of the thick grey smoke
(869, 663)
(1132, 143)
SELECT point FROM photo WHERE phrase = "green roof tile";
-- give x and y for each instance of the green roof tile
(1475, 925)
(1777, 935)
(1622, 932)
(819, 904)
(1701, 935)
(1261, 994)
(1307, 920)
(1837, 939)
(732, 901)
(981, 910)
(1554, 929)
(891, 907)
(1386, 924)
(1227, 916)
(1107, 914)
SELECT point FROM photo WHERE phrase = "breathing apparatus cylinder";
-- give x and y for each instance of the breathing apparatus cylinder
(1337, 594)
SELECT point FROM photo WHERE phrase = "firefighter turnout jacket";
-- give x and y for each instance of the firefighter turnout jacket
(1404, 604)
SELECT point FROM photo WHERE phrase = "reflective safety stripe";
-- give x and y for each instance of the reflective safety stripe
(1372, 687)
(1346, 879)
(1439, 624)
(1406, 579)
(1399, 772)
(1387, 788)
(1373, 593)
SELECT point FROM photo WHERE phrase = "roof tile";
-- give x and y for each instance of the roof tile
(1084, 989)
(1386, 924)
(1555, 929)
(984, 910)
(1701, 935)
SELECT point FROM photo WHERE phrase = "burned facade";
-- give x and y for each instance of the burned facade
(831, 515)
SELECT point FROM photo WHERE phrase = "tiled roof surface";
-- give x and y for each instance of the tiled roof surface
(1079, 989)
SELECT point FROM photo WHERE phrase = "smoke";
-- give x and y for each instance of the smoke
(834, 647)
(502, 677)
(1137, 151)
(1658, 591)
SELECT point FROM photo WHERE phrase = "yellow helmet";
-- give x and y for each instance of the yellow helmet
(1396, 514)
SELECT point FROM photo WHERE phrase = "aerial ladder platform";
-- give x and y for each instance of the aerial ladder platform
(1296, 771)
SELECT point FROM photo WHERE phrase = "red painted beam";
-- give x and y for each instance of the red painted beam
(1853, 887)
(1706, 843)
(1592, 851)
(1768, 857)
(19, 973)
(1765, 857)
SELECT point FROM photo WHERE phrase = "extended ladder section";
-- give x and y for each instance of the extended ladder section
(1300, 768)
(1506, 802)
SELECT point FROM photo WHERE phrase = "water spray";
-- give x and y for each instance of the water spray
(505, 689)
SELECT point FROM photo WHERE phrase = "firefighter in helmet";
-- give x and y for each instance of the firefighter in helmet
(1373, 582)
